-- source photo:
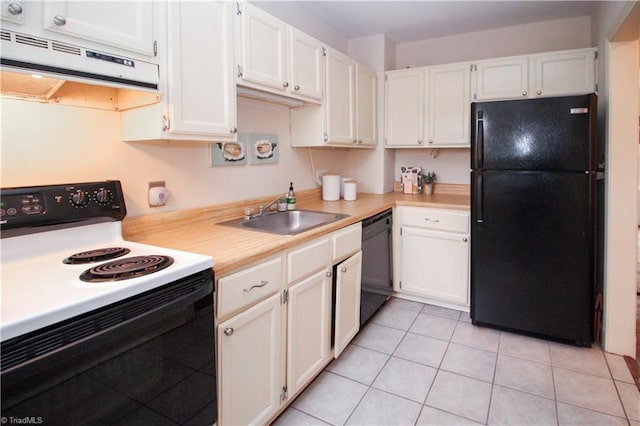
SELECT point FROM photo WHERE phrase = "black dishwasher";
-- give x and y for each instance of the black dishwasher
(377, 279)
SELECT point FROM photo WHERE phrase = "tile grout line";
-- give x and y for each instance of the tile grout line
(615, 385)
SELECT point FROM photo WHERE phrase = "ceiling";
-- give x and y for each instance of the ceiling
(404, 21)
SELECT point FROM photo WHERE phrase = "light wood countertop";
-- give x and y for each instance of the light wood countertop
(233, 248)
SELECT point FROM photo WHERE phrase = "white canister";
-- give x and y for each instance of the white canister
(330, 187)
(350, 190)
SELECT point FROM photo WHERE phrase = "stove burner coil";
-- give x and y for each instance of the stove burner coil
(96, 255)
(128, 267)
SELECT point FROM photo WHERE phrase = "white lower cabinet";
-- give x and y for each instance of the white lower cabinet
(278, 337)
(433, 255)
(309, 329)
(348, 283)
(251, 364)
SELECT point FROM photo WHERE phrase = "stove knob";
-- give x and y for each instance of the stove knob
(79, 198)
(103, 196)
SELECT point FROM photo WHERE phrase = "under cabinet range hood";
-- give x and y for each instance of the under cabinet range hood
(44, 70)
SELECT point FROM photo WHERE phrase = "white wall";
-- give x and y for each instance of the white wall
(618, 115)
(46, 144)
(290, 13)
(561, 34)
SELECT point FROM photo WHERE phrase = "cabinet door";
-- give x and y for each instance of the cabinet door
(340, 99)
(251, 364)
(366, 106)
(435, 264)
(347, 315)
(201, 94)
(309, 329)
(263, 49)
(307, 65)
(565, 73)
(122, 24)
(13, 11)
(449, 105)
(502, 79)
(404, 108)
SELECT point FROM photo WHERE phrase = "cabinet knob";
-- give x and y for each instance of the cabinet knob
(355, 141)
(285, 84)
(14, 9)
(465, 239)
(539, 92)
(59, 20)
(419, 141)
(430, 141)
(524, 93)
(233, 130)
(228, 331)
(359, 140)
(328, 274)
(343, 269)
(296, 87)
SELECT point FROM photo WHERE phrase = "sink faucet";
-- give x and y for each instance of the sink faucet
(261, 209)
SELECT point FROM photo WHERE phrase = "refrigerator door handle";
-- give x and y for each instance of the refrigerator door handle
(478, 198)
(479, 140)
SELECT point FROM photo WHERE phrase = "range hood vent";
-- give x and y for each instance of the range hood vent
(70, 74)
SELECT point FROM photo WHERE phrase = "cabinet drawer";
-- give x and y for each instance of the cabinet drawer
(248, 286)
(443, 220)
(346, 241)
(307, 260)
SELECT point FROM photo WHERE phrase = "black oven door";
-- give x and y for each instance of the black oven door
(147, 360)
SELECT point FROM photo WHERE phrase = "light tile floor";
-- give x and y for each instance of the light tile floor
(416, 364)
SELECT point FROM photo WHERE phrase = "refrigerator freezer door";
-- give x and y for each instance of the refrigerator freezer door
(554, 134)
(532, 254)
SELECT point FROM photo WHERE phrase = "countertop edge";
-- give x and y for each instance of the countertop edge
(197, 231)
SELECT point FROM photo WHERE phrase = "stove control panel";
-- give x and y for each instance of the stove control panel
(34, 209)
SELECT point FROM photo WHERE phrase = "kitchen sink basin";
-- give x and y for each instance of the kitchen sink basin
(286, 223)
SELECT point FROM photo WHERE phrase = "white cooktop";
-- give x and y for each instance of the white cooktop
(38, 289)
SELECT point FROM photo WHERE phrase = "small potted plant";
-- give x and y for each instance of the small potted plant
(428, 179)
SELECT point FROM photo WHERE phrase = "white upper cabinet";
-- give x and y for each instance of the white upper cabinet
(448, 108)
(564, 73)
(274, 57)
(428, 107)
(13, 11)
(404, 108)
(347, 117)
(126, 25)
(307, 63)
(263, 49)
(340, 98)
(199, 102)
(506, 78)
(366, 106)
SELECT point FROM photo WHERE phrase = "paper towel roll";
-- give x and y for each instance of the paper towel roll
(350, 190)
(330, 187)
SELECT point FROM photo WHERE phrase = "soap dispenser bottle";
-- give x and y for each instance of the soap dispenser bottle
(291, 198)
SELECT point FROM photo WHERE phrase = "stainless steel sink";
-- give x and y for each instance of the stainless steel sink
(286, 223)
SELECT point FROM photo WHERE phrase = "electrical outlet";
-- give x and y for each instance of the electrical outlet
(319, 174)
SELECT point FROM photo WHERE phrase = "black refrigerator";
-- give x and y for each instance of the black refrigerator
(536, 186)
